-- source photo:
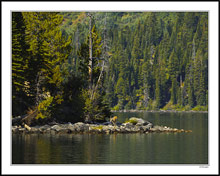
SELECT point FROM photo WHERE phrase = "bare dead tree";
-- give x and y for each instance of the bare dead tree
(105, 55)
(90, 51)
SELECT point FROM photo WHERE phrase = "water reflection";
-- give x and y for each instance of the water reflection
(154, 148)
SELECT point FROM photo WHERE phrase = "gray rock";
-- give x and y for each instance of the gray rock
(145, 128)
(56, 128)
(135, 129)
(45, 127)
(64, 131)
(34, 130)
(15, 129)
(128, 130)
(122, 129)
(128, 125)
(149, 125)
(53, 123)
(81, 127)
(21, 130)
(71, 127)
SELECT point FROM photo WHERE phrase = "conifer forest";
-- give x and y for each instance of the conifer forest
(81, 66)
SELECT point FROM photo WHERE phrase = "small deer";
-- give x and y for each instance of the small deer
(113, 120)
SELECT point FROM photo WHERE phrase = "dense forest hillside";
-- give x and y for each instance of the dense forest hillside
(138, 60)
(156, 60)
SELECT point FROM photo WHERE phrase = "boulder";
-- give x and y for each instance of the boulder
(15, 129)
(21, 130)
(81, 127)
(53, 123)
(64, 131)
(128, 125)
(46, 127)
(135, 129)
(71, 128)
(34, 130)
(122, 129)
(149, 125)
(56, 128)
(139, 121)
(145, 128)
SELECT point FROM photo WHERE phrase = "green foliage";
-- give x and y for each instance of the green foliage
(176, 107)
(44, 108)
(95, 109)
(100, 127)
(187, 108)
(20, 100)
(42, 51)
(165, 56)
(69, 102)
(174, 91)
(200, 108)
(48, 49)
(116, 108)
(133, 121)
(158, 92)
(152, 61)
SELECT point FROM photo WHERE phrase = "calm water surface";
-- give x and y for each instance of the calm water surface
(153, 148)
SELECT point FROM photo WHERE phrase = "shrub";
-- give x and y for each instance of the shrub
(187, 108)
(200, 108)
(133, 121)
(128, 105)
(44, 108)
(115, 108)
(69, 102)
(95, 109)
(154, 105)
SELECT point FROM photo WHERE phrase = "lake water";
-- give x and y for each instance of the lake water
(151, 148)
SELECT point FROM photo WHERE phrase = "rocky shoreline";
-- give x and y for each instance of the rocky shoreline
(140, 126)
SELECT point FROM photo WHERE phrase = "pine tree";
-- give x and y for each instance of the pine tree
(158, 91)
(47, 51)
(143, 43)
(174, 91)
(173, 65)
(20, 101)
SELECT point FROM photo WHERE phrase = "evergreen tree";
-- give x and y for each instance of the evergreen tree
(20, 101)
(158, 91)
(145, 60)
(48, 49)
(174, 91)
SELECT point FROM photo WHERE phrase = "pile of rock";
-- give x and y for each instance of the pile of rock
(133, 125)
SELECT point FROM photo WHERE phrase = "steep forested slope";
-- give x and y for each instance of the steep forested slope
(155, 60)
